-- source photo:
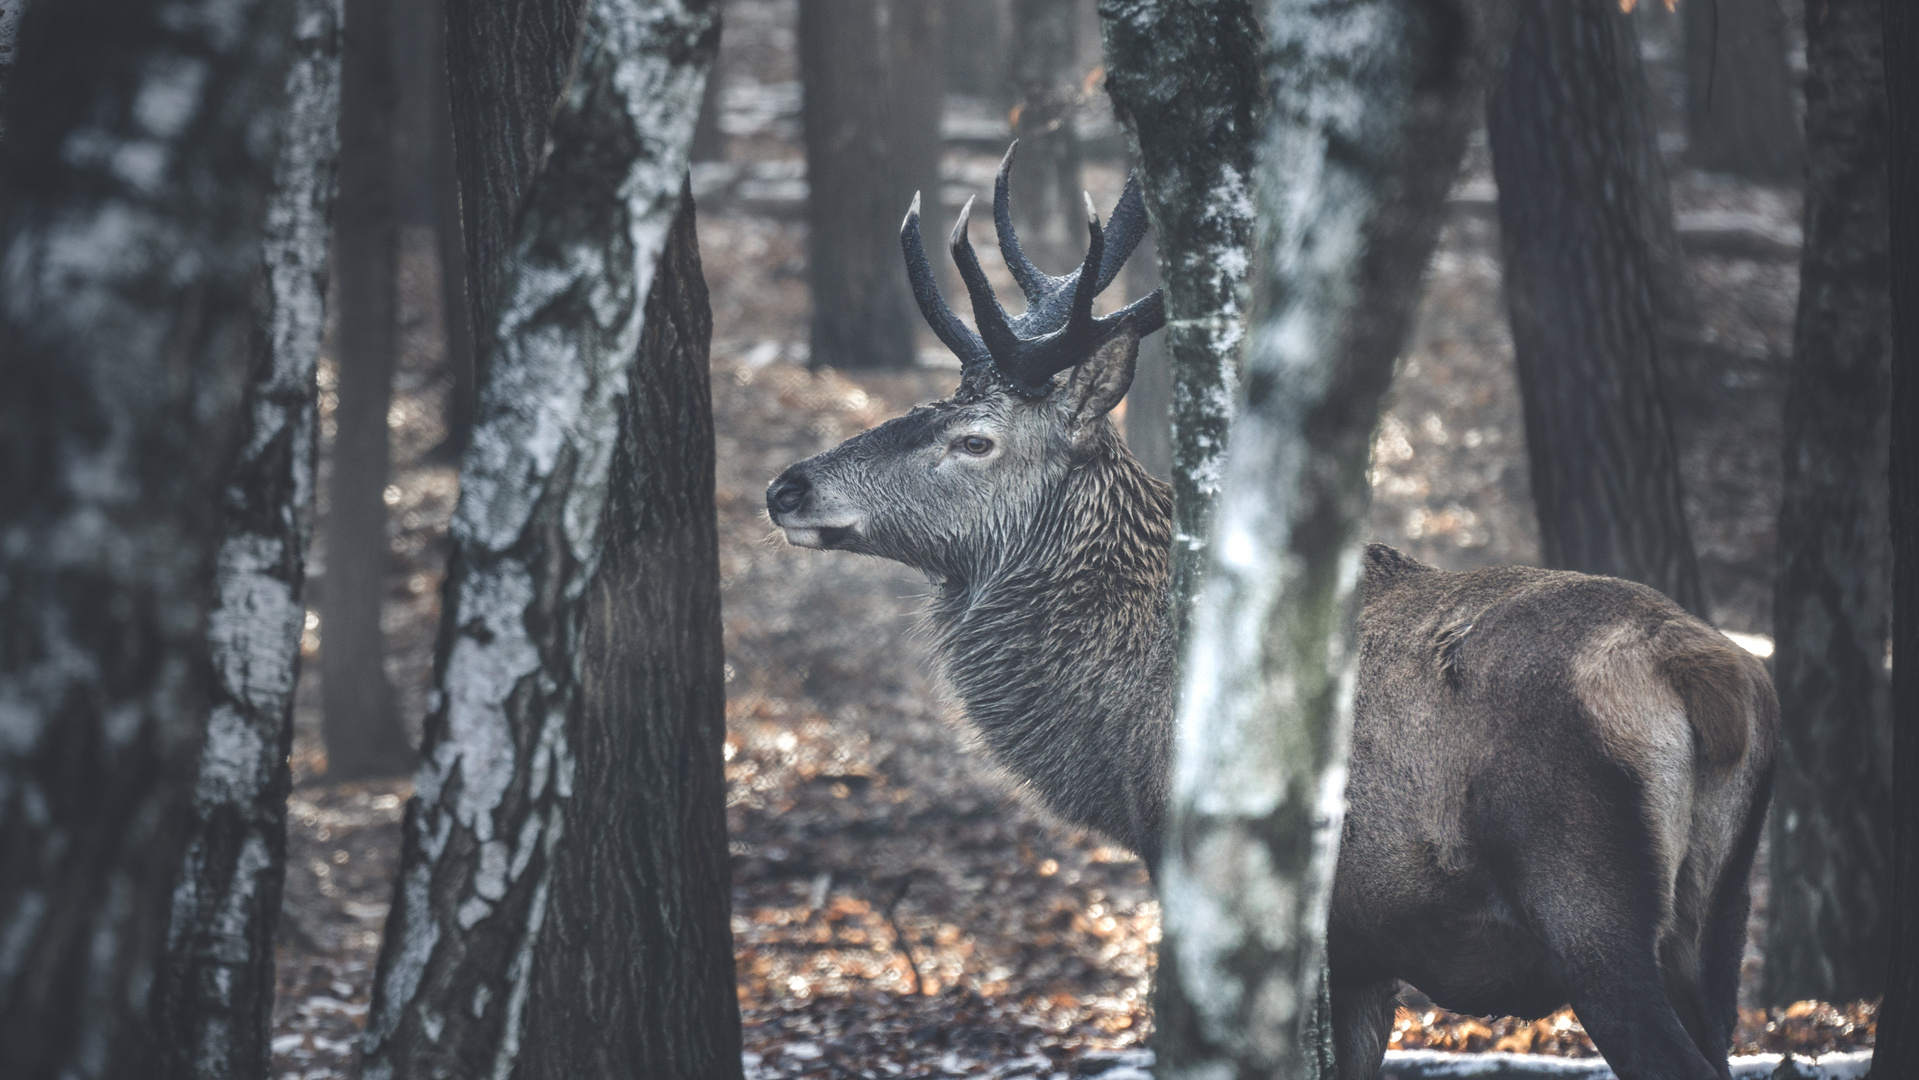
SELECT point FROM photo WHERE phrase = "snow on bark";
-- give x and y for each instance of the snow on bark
(1366, 110)
(216, 983)
(1184, 77)
(133, 182)
(483, 833)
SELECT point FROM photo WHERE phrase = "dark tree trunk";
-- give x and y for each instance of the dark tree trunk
(976, 52)
(562, 909)
(1367, 110)
(915, 97)
(455, 306)
(214, 993)
(1740, 114)
(9, 34)
(1149, 404)
(709, 142)
(1047, 206)
(648, 935)
(1581, 199)
(428, 193)
(862, 312)
(1897, 1051)
(1831, 861)
(360, 720)
(133, 184)
(1184, 76)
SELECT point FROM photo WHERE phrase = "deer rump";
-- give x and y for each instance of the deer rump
(1555, 789)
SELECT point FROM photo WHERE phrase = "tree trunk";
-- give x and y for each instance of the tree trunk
(976, 52)
(1897, 1050)
(133, 183)
(563, 901)
(9, 34)
(360, 720)
(862, 312)
(1184, 77)
(214, 993)
(1047, 208)
(1149, 404)
(1581, 196)
(915, 97)
(709, 142)
(1368, 109)
(1831, 861)
(1740, 114)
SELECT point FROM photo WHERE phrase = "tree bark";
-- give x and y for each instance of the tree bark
(915, 98)
(862, 312)
(976, 56)
(1185, 79)
(214, 992)
(360, 720)
(1831, 859)
(1149, 404)
(1367, 110)
(1047, 208)
(1740, 113)
(9, 35)
(133, 182)
(1897, 1050)
(563, 900)
(1581, 199)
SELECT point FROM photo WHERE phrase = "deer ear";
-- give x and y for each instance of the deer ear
(1097, 384)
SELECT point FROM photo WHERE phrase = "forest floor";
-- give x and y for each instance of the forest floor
(899, 909)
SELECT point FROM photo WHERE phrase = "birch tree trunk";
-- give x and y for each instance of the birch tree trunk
(214, 993)
(133, 182)
(1582, 204)
(1832, 792)
(563, 901)
(1367, 110)
(1897, 1050)
(1185, 79)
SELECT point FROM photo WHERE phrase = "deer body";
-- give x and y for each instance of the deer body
(1556, 781)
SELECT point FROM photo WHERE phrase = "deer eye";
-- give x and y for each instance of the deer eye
(977, 445)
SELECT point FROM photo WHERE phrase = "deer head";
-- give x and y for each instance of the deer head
(949, 486)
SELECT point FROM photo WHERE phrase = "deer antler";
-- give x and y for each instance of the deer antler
(1058, 329)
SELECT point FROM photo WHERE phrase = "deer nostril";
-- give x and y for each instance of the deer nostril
(785, 496)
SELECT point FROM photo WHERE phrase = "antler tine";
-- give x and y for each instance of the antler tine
(1148, 314)
(1088, 285)
(1124, 230)
(1031, 280)
(947, 326)
(987, 312)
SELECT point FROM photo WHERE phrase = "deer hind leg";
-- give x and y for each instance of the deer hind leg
(1584, 874)
(1362, 1024)
(1722, 945)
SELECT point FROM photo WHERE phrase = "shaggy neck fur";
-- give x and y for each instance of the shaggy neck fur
(1062, 650)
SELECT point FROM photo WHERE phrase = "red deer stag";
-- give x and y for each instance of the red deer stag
(1556, 782)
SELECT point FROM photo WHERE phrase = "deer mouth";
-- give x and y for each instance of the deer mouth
(821, 537)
